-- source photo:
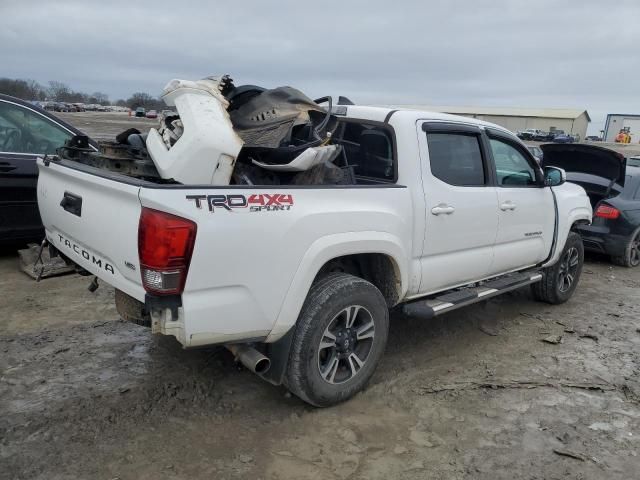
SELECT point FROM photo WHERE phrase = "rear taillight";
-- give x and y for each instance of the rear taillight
(165, 244)
(607, 211)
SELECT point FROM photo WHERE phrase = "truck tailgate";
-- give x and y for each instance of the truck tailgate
(93, 220)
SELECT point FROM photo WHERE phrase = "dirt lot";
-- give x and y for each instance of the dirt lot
(106, 125)
(86, 395)
(473, 394)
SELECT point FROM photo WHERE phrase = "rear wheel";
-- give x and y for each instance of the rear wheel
(339, 339)
(559, 281)
(631, 257)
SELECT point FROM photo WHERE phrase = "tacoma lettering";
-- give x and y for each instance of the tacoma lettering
(78, 250)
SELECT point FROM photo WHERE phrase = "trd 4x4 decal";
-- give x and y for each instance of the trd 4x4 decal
(261, 202)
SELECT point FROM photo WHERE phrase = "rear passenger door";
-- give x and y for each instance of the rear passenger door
(461, 206)
(526, 207)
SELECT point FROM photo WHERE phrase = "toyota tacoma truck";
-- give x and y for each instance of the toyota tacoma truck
(297, 277)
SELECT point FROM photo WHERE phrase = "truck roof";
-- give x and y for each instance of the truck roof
(383, 114)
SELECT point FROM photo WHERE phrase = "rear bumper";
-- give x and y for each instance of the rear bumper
(600, 239)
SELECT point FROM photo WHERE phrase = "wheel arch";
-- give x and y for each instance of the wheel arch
(382, 253)
(567, 222)
(380, 269)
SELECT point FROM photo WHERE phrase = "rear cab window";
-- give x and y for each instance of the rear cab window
(369, 148)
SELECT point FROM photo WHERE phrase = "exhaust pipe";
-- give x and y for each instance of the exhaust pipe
(250, 358)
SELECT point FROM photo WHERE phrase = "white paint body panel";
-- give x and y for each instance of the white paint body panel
(251, 271)
(105, 234)
(525, 230)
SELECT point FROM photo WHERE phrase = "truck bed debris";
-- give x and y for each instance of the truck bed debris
(221, 133)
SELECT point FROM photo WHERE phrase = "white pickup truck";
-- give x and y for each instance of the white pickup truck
(298, 280)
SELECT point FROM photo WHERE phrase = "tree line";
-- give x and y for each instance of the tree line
(61, 92)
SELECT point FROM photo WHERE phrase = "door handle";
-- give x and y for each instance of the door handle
(443, 209)
(508, 205)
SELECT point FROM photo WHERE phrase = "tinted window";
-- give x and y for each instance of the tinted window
(369, 148)
(25, 131)
(512, 167)
(456, 158)
(634, 184)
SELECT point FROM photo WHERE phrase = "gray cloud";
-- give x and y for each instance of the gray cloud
(547, 53)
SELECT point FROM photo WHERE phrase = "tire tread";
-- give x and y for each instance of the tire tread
(319, 297)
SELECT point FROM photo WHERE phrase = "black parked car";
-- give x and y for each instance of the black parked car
(613, 185)
(548, 136)
(26, 132)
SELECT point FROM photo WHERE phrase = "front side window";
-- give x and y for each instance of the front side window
(512, 167)
(25, 131)
(456, 158)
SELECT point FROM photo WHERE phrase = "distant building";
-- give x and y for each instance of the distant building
(515, 119)
(619, 121)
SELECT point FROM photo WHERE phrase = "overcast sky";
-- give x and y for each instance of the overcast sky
(582, 54)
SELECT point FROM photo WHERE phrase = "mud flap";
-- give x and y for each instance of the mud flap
(278, 353)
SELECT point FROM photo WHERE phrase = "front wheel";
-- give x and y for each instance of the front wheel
(559, 281)
(339, 339)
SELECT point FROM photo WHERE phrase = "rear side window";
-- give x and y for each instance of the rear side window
(456, 159)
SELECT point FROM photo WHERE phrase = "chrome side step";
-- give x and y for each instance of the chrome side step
(458, 298)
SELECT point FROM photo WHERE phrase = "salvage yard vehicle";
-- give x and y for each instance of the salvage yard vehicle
(613, 185)
(26, 132)
(286, 231)
(529, 133)
(563, 138)
(536, 151)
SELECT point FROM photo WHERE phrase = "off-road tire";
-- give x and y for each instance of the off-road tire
(549, 289)
(327, 298)
(628, 259)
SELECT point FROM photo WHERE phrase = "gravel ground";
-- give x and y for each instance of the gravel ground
(86, 395)
(106, 125)
(474, 394)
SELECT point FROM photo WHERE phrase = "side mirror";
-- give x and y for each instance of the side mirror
(554, 176)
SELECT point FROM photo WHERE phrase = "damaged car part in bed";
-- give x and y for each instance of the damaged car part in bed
(219, 127)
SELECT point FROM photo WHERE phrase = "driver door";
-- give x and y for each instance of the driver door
(25, 134)
(526, 209)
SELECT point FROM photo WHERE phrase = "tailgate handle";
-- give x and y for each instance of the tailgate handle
(72, 203)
